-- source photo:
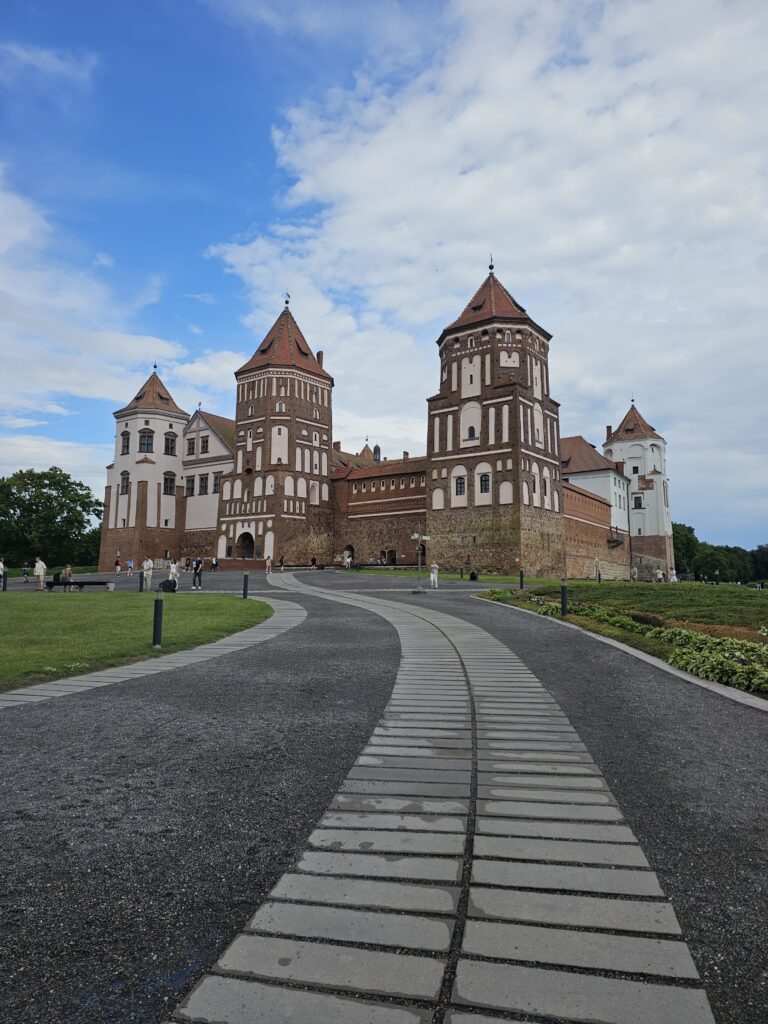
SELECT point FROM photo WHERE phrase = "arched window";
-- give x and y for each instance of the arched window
(471, 433)
(460, 485)
(485, 483)
(505, 493)
(146, 441)
(125, 482)
(483, 477)
(508, 337)
(169, 483)
(125, 439)
(438, 499)
(269, 487)
(280, 407)
(315, 414)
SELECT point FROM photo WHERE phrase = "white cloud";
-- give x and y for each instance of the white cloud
(195, 328)
(102, 259)
(18, 59)
(20, 422)
(84, 462)
(619, 180)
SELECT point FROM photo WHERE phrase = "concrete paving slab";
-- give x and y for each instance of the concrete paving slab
(529, 809)
(566, 948)
(512, 778)
(428, 899)
(577, 997)
(338, 967)
(564, 851)
(450, 764)
(424, 789)
(407, 805)
(512, 791)
(381, 841)
(554, 830)
(519, 874)
(397, 822)
(370, 865)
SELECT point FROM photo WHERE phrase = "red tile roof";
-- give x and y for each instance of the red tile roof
(393, 468)
(577, 455)
(633, 426)
(221, 425)
(153, 395)
(285, 345)
(491, 301)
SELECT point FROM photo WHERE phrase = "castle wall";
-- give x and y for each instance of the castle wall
(140, 540)
(590, 544)
(485, 538)
(542, 542)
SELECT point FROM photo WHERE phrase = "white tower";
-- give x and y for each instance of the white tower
(643, 453)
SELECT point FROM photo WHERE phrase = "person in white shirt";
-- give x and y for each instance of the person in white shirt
(147, 567)
(173, 571)
(39, 572)
(433, 570)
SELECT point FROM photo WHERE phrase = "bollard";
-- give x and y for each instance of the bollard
(141, 581)
(5, 580)
(157, 625)
(522, 580)
(564, 598)
(246, 577)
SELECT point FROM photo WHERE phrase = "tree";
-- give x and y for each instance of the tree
(686, 546)
(711, 561)
(46, 513)
(759, 556)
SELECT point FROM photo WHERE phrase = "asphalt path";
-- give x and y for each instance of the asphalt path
(143, 822)
(688, 767)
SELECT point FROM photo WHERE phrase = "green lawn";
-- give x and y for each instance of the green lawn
(483, 577)
(49, 636)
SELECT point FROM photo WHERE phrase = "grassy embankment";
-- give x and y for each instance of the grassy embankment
(720, 625)
(50, 636)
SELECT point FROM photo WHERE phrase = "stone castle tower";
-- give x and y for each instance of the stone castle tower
(143, 501)
(643, 454)
(493, 441)
(276, 500)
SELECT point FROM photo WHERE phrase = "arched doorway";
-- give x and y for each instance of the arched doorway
(391, 557)
(349, 555)
(245, 545)
(269, 544)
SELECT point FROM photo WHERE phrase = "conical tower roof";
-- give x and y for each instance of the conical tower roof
(154, 395)
(285, 345)
(632, 428)
(491, 301)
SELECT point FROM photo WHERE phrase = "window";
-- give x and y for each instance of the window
(315, 414)
(485, 483)
(423, 479)
(402, 481)
(216, 483)
(637, 501)
(279, 431)
(533, 483)
(639, 532)
(126, 443)
(190, 446)
(461, 485)
(354, 488)
(471, 433)
(392, 484)
(364, 487)
(544, 486)
(635, 469)
(169, 484)
(471, 378)
(146, 441)
(413, 481)
(125, 483)
(204, 444)
(202, 487)
(189, 489)
(280, 407)
(373, 485)
(170, 444)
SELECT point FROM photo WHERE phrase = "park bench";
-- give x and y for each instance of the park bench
(80, 584)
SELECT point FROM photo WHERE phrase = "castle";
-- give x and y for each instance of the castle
(498, 489)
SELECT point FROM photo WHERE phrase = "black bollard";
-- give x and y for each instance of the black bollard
(564, 598)
(141, 581)
(5, 580)
(246, 577)
(157, 625)
(522, 580)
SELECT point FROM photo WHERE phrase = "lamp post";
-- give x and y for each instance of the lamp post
(419, 537)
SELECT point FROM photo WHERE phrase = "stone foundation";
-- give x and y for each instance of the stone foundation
(486, 539)
(542, 542)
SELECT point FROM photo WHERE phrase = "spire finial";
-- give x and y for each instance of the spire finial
(633, 398)
(154, 366)
(287, 299)
(490, 265)
(199, 406)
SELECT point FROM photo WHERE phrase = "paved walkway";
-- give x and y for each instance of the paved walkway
(286, 615)
(473, 864)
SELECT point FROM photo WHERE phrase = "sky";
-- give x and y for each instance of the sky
(169, 170)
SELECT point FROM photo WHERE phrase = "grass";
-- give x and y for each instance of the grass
(484, 577)
(50, 636)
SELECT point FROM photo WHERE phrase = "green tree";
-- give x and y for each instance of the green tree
(46, 513)
(686, 545)
(759, 556)
(710, 561)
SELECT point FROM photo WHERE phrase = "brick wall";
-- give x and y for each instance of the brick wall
(485, 538)
(542, 542)
(587, 535)
(140, 540)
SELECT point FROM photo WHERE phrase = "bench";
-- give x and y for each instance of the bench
(80, 584)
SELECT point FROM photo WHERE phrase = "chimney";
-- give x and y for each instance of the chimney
(608, 431)
(320, 360)
(405, 456)
(337, 446)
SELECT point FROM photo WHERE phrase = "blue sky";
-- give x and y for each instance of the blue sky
(169, 169)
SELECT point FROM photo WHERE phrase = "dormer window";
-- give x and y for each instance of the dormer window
(190, 446)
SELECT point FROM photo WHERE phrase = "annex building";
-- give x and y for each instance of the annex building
(498, 488)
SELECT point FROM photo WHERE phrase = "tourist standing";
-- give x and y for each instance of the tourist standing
(129, 566)
(214, 564)
(25, 572)
(188, 565)
(2, 572)
(313, 562)
(147, 567)
(173, 572)
(672, 576)
(659, 576)
(39, 571)
(118, 565)
(433, 571)
(633, 574)
(197, 574)
(282, 563)
(268, 564)
(66, 578)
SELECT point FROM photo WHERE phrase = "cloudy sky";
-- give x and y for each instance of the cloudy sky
(169, 169)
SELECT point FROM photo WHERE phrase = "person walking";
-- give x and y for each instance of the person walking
(147, 567)
(2, 572)
(433, 571)
(268, 565)
(659, 576)
(129, 566)
(214, 564)
(118, 565)
(25, 572)
(313, 563)
(66, 579)
(188, 565)
(281, 563)
(672, 576)
(633, 574)
(39, 572)
(197, 574)
(173, 573)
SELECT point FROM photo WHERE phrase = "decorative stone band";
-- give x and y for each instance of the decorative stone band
(473, 860)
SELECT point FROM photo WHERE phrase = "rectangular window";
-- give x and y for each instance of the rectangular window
(189, 489)
(392, 484)
(145, 442)
(126, 445)
(170, 445)
(635, 469)
(169, 484)
(204, 444)
(354, 488)
(402, 481)
(637, 501)
(125, 483)
(190, 446)
(373, 485)
(202, 486)
(413, 481)
(216, 483)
